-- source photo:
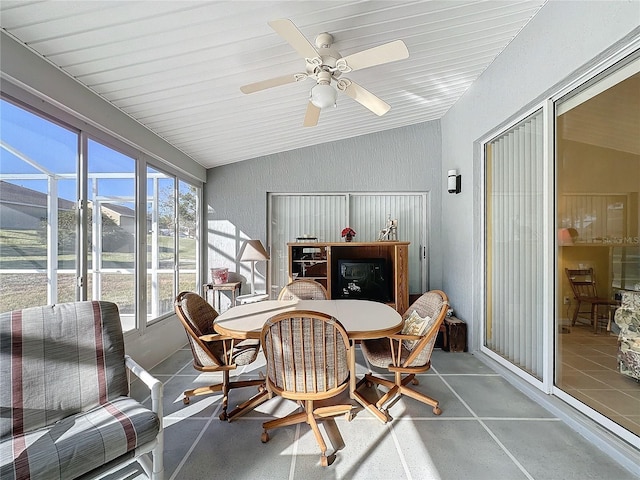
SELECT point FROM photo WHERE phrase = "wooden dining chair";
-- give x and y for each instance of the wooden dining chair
(303, 289)
(583, 286)
(307, 360)
(407, 353)
(213, 352)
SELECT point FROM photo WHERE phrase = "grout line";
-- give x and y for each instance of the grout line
(488, 430)
(191, 449)
(294, 453)
(403, 460)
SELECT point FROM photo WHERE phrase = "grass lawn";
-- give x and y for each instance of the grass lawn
(27, 250)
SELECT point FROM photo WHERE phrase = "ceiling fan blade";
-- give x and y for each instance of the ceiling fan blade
(389, 52)
(365, 97)
(287, 30)
(272, 82)
(312, 116)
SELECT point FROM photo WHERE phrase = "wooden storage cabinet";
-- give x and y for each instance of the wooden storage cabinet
(318, 261)
(308, 260)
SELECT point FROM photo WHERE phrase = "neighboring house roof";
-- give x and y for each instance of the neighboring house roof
(119, 209)
(19, 195)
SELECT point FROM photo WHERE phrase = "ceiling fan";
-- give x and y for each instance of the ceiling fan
(325, 65)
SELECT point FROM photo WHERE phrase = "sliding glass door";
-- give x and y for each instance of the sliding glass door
(546, 242)
(598, 217)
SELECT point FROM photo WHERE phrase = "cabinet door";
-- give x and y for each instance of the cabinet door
(308, 261)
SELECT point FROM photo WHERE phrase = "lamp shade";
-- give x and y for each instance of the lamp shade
(252, 250)
(566, 236)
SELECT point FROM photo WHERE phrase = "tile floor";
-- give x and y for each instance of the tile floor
(590, 374)
(488, 430)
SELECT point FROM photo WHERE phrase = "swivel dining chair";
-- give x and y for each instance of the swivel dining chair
(303, 289)
(307, 360)
(213, 352)
(407, 353)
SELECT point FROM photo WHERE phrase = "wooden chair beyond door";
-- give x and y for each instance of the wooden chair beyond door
(213, 352)
(583, 285)
(307, 360)
(407, 353)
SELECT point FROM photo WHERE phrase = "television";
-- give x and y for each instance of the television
(363, 279)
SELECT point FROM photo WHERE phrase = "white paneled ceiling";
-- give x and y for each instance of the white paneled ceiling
(177, 66)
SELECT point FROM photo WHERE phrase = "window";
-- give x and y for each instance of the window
(172, 240)
(38, 209)
(112, 225)
(47, 253)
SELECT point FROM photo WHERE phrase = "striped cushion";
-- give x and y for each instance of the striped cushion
(63, 388)
(79, 443)
(57, 361)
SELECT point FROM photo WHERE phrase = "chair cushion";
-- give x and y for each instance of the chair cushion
(58, 360)
(414, 325)
(245, 352)
(79, 443)
(378, 353)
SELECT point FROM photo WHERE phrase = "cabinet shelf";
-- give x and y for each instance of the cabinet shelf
(322, 268)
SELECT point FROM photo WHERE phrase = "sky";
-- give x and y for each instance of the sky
(54, 149)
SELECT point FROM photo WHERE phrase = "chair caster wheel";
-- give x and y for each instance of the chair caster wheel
(265, 437)
(326, 461)
(185, 400)
(348, 416)
(415, 382)
(223, 416)
(437, 410)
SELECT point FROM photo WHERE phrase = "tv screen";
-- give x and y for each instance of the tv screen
(362, 278)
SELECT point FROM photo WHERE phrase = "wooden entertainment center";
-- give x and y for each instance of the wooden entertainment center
(319, 261)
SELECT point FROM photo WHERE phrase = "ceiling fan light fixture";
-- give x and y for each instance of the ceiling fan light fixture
(323, 95)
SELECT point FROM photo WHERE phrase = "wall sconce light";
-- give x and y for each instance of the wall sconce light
(454, 182)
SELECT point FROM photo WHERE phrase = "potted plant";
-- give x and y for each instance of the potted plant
(348, 233)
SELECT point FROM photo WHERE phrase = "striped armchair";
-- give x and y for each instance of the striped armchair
(64, 395)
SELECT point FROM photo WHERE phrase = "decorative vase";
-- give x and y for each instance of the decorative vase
(348, 238)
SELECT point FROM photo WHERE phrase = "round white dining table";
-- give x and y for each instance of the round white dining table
(362, 319)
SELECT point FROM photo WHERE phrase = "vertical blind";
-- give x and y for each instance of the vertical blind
(514, 246)
(293, 216)
(325, 215)
(596, 218)
(370, 212)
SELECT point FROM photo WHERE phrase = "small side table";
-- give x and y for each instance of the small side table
(233, 287)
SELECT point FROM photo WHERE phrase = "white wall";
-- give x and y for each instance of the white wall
(404, 159)
(561, 38)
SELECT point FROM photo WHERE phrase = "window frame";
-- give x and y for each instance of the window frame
(86, 130)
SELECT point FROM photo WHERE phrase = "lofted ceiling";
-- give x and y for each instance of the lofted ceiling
(177, 66)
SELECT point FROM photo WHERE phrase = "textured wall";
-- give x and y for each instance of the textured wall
(404, 159)
(562, 38)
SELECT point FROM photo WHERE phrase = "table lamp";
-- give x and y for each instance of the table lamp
(252, 251)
